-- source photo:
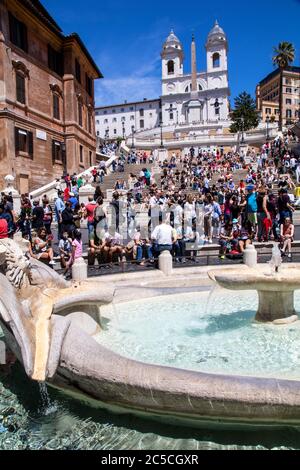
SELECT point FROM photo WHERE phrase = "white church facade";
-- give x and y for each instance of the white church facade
(189, 103)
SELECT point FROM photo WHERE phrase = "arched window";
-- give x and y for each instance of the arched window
(171, 67)
(199, 87)
(216, 60)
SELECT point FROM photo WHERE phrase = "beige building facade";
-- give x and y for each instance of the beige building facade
(268, 96)
(47, 118)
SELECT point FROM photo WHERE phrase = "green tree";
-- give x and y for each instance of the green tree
(244, 116)
(284, 56)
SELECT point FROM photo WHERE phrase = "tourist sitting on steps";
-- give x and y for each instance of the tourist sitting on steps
(226, 238)
(287, 232)
(41, 247)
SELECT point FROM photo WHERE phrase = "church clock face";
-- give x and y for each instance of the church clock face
(171, 87)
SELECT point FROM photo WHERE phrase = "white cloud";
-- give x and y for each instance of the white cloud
(134, 88)
(135, 74)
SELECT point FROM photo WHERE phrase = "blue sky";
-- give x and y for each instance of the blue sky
(125, 38)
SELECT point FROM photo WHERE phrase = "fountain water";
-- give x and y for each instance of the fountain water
(276, 260)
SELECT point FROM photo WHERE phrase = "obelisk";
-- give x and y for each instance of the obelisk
(194, 106)
(194, 70)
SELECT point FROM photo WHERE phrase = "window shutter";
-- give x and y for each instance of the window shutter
(53, 152)
(64, 155)
(25, 38)
(11, 28)
(20, 80)
(17, 146)
(30, 144)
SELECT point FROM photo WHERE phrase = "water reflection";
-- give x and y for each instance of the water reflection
(75, 425)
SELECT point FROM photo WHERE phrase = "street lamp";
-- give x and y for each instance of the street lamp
(268, 122)
(243, 137)
(161, 135)
(132, 133)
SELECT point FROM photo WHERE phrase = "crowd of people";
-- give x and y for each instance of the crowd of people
(197, 199)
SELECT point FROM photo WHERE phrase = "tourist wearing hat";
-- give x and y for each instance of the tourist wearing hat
(73, 200)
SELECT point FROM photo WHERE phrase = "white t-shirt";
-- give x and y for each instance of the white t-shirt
(162, 234)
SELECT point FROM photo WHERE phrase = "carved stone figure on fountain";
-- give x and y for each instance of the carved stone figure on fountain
(31, 293)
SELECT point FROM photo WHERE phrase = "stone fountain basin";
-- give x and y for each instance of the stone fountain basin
(123, 385)
(92, 372)
(244, 278)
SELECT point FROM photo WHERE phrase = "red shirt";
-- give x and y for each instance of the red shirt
(3, 229)
(90, 208)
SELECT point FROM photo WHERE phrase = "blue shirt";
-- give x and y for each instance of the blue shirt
(252, 202)
(59, 207)
(74, 202)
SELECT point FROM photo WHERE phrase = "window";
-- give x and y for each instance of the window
(89, 85)
(131, 118)
(90, 158)
(288, 113)
(199, 87)
(171, 116)
(122, 110)
(288, 101)
(77, 71)
(114, 111)
(20, 84)
(288, 81)
(114, 119)
(105, 121)
(80, 113)
(23, 142)
(55, 61)
(57, 151)
(141, 112)
(268, 111)
(216, 60)
(171, 67)
(18, 33)
(151, 114)
(115, 131)
(104, 112)
(288, 90)
(277, 111)
(98, 133)
(80, 154)
(217, 108)
(123, 119)
(56, 113)
(89, 122)
(132, 108)
(142, 124)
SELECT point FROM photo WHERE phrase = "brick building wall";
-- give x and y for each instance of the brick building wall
(41, 131)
